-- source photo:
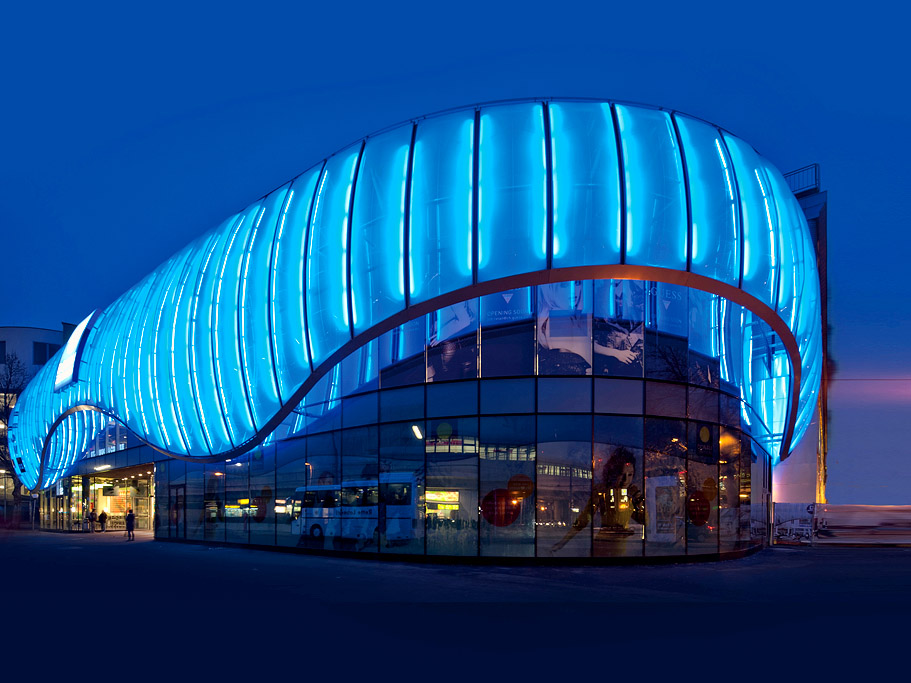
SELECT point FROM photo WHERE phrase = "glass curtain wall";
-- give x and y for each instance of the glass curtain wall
(579, 419)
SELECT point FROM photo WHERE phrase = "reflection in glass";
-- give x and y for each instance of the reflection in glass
(665, 487)
(702, 489)
(553, 484)
(292, 470)
(214, 502)
(666, 341)
(452, 486)
(507, 333)
(359, 513)
(401, 352)
(729, 490)
(452, 334)
(262, 508)
(360, 370)
(619, 312)
(618, 499)
(759, 486)
(237, 499)
(564, 328)
(704, 343)
(319, 525)
(507, 486)
(564, 491)
(401, 492)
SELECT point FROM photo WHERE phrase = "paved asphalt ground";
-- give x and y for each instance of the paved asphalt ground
(236, 611)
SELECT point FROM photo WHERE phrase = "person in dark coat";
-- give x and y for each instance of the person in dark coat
(131, 524)
(103, 520)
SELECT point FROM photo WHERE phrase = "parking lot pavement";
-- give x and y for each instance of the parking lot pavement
(290, 604)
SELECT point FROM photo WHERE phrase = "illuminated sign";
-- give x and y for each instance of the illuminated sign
(443, 497)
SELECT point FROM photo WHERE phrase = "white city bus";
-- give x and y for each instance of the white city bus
(358, 511)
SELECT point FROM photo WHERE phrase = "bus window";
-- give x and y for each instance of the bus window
(397, 494)
(331, 498)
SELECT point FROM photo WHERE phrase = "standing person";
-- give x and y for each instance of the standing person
(103, 520)
(131, 524)
(92, 518)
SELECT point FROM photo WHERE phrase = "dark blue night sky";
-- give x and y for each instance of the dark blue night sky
(127, 132)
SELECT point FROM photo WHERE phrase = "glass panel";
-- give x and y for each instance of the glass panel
(327, 257)
(360, 410)
(291, 354)
(402, 404)
(512, 220)
(586, 185)
(617, 507)
(507, 486)
(507, 396)
(758, 496)
(618, 396)
(401, 354)
(760, 223)
(291, 478)
(619, 327)
(440, 240)
(214, 502)
(401, 513)
(666, 355)
(665, 487)
(565, 328)
(452, 487)
(458, 397)
(729, 490)
(256, 341)
(702, 489)
(360, 369)
(713, 201)
(360, 511)
(704, 337)
(746, 489)
(378, 229)
(237, 499)
(564, 489)
(702, 404)
(321, 513)
(655, 193)
(452, 351)
(564, 395)
(263, 505)
(666, 400)
(507, 333)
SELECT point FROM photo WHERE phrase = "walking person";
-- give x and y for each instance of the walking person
(103, 520)
(131, 524)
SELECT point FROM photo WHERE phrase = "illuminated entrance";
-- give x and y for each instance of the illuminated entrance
(66, 505)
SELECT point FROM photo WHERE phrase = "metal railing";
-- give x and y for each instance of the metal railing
(803, 180)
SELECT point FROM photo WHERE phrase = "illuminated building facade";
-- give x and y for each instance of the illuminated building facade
(528, 329)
